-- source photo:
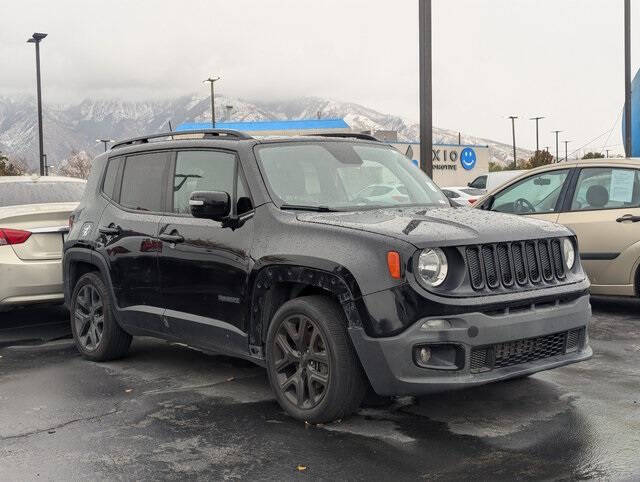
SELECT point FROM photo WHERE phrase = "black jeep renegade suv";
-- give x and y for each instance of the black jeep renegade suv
(334, 262)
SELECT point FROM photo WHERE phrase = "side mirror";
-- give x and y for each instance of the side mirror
(214, 205)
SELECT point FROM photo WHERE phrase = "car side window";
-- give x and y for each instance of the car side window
(606, 188)
(535, 194)
(450, 194)
(111, 176)
(141, 180)
(479, 182)
(206, 171)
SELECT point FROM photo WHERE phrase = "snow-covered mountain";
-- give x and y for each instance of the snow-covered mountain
(76, 127)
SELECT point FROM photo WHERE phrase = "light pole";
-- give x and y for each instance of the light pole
(36, 38)
(426, 116)
(107, 141)
(513, 132)
(627, 79)
(537, 138)
(566, 157)
(212, 80)
(557, 150)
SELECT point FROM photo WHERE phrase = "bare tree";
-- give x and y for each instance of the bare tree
(78, 164)
(13, 167)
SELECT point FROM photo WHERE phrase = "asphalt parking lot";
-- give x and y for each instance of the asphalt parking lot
(168, 412)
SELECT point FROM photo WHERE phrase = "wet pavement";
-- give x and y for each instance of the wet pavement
(168, 412)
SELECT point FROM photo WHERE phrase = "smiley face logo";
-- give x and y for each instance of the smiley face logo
(468, 158)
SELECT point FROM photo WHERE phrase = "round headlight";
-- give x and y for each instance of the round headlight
(432, 266)
(569, 254)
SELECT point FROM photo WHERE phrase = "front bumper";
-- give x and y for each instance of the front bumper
(390, 366)
(25, 282)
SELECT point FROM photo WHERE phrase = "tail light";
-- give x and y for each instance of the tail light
(13, 236)
(471, 201)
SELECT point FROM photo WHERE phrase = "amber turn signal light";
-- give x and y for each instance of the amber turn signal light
(393, 262)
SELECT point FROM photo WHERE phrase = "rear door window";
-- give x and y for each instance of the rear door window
(606, 188)
(143, 180)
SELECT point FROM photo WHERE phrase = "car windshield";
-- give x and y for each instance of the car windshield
(40, 192)
(344, 176)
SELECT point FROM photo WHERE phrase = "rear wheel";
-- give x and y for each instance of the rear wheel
(312, 366)
(96, 333)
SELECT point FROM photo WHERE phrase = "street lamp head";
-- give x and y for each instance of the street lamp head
(37, 37)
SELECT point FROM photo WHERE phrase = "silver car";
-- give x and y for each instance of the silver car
(34, 217)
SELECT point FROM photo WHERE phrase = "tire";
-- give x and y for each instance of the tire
(97, 335)
(319, 358)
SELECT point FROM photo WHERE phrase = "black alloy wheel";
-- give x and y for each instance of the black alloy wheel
(312, 366)
(301, 361)
(96, 332)
(89, 317)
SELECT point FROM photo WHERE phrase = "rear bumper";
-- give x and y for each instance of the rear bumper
(392, 370)
(26, 282)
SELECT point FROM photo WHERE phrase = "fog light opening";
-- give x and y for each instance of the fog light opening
(439, 356)
(424, 354)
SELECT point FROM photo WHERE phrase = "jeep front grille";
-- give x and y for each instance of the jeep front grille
(515, 264)
(501, 355)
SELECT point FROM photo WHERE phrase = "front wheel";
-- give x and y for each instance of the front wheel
(96, 333)
(313, 368)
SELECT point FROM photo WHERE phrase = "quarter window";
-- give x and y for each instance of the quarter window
(606, 188)
(535, 194)
(142, 182)
(205, 171)
(110, 177)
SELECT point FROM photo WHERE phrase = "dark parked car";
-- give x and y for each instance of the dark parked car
(268, 250)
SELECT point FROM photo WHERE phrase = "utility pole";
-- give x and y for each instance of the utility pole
(607, 153)
(537, 138)
(566, 157)
(546, 148)
(426, 116)
(212, 80)
(36, 38)
(557, 150)
(628, 147)
(513, 132)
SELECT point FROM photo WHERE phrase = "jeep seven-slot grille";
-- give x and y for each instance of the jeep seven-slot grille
(516, 352)
(508, 265)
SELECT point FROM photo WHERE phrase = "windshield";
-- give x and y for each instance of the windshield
(40, 192)
(344, 176)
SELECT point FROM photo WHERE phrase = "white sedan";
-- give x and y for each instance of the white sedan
(34, 218)
(463, 196)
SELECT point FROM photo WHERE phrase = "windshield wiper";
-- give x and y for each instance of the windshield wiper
(302, 207)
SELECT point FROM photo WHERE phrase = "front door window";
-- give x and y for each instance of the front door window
(533, 195)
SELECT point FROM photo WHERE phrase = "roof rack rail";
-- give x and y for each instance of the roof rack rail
(207, 133)
(346, 135)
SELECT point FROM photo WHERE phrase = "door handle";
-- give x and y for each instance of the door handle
(112, 229)
(628, 217)
(174, 237)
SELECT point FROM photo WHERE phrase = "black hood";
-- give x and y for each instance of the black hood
(424, 227)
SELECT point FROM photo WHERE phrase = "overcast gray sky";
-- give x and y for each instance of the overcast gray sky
(562, 59)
